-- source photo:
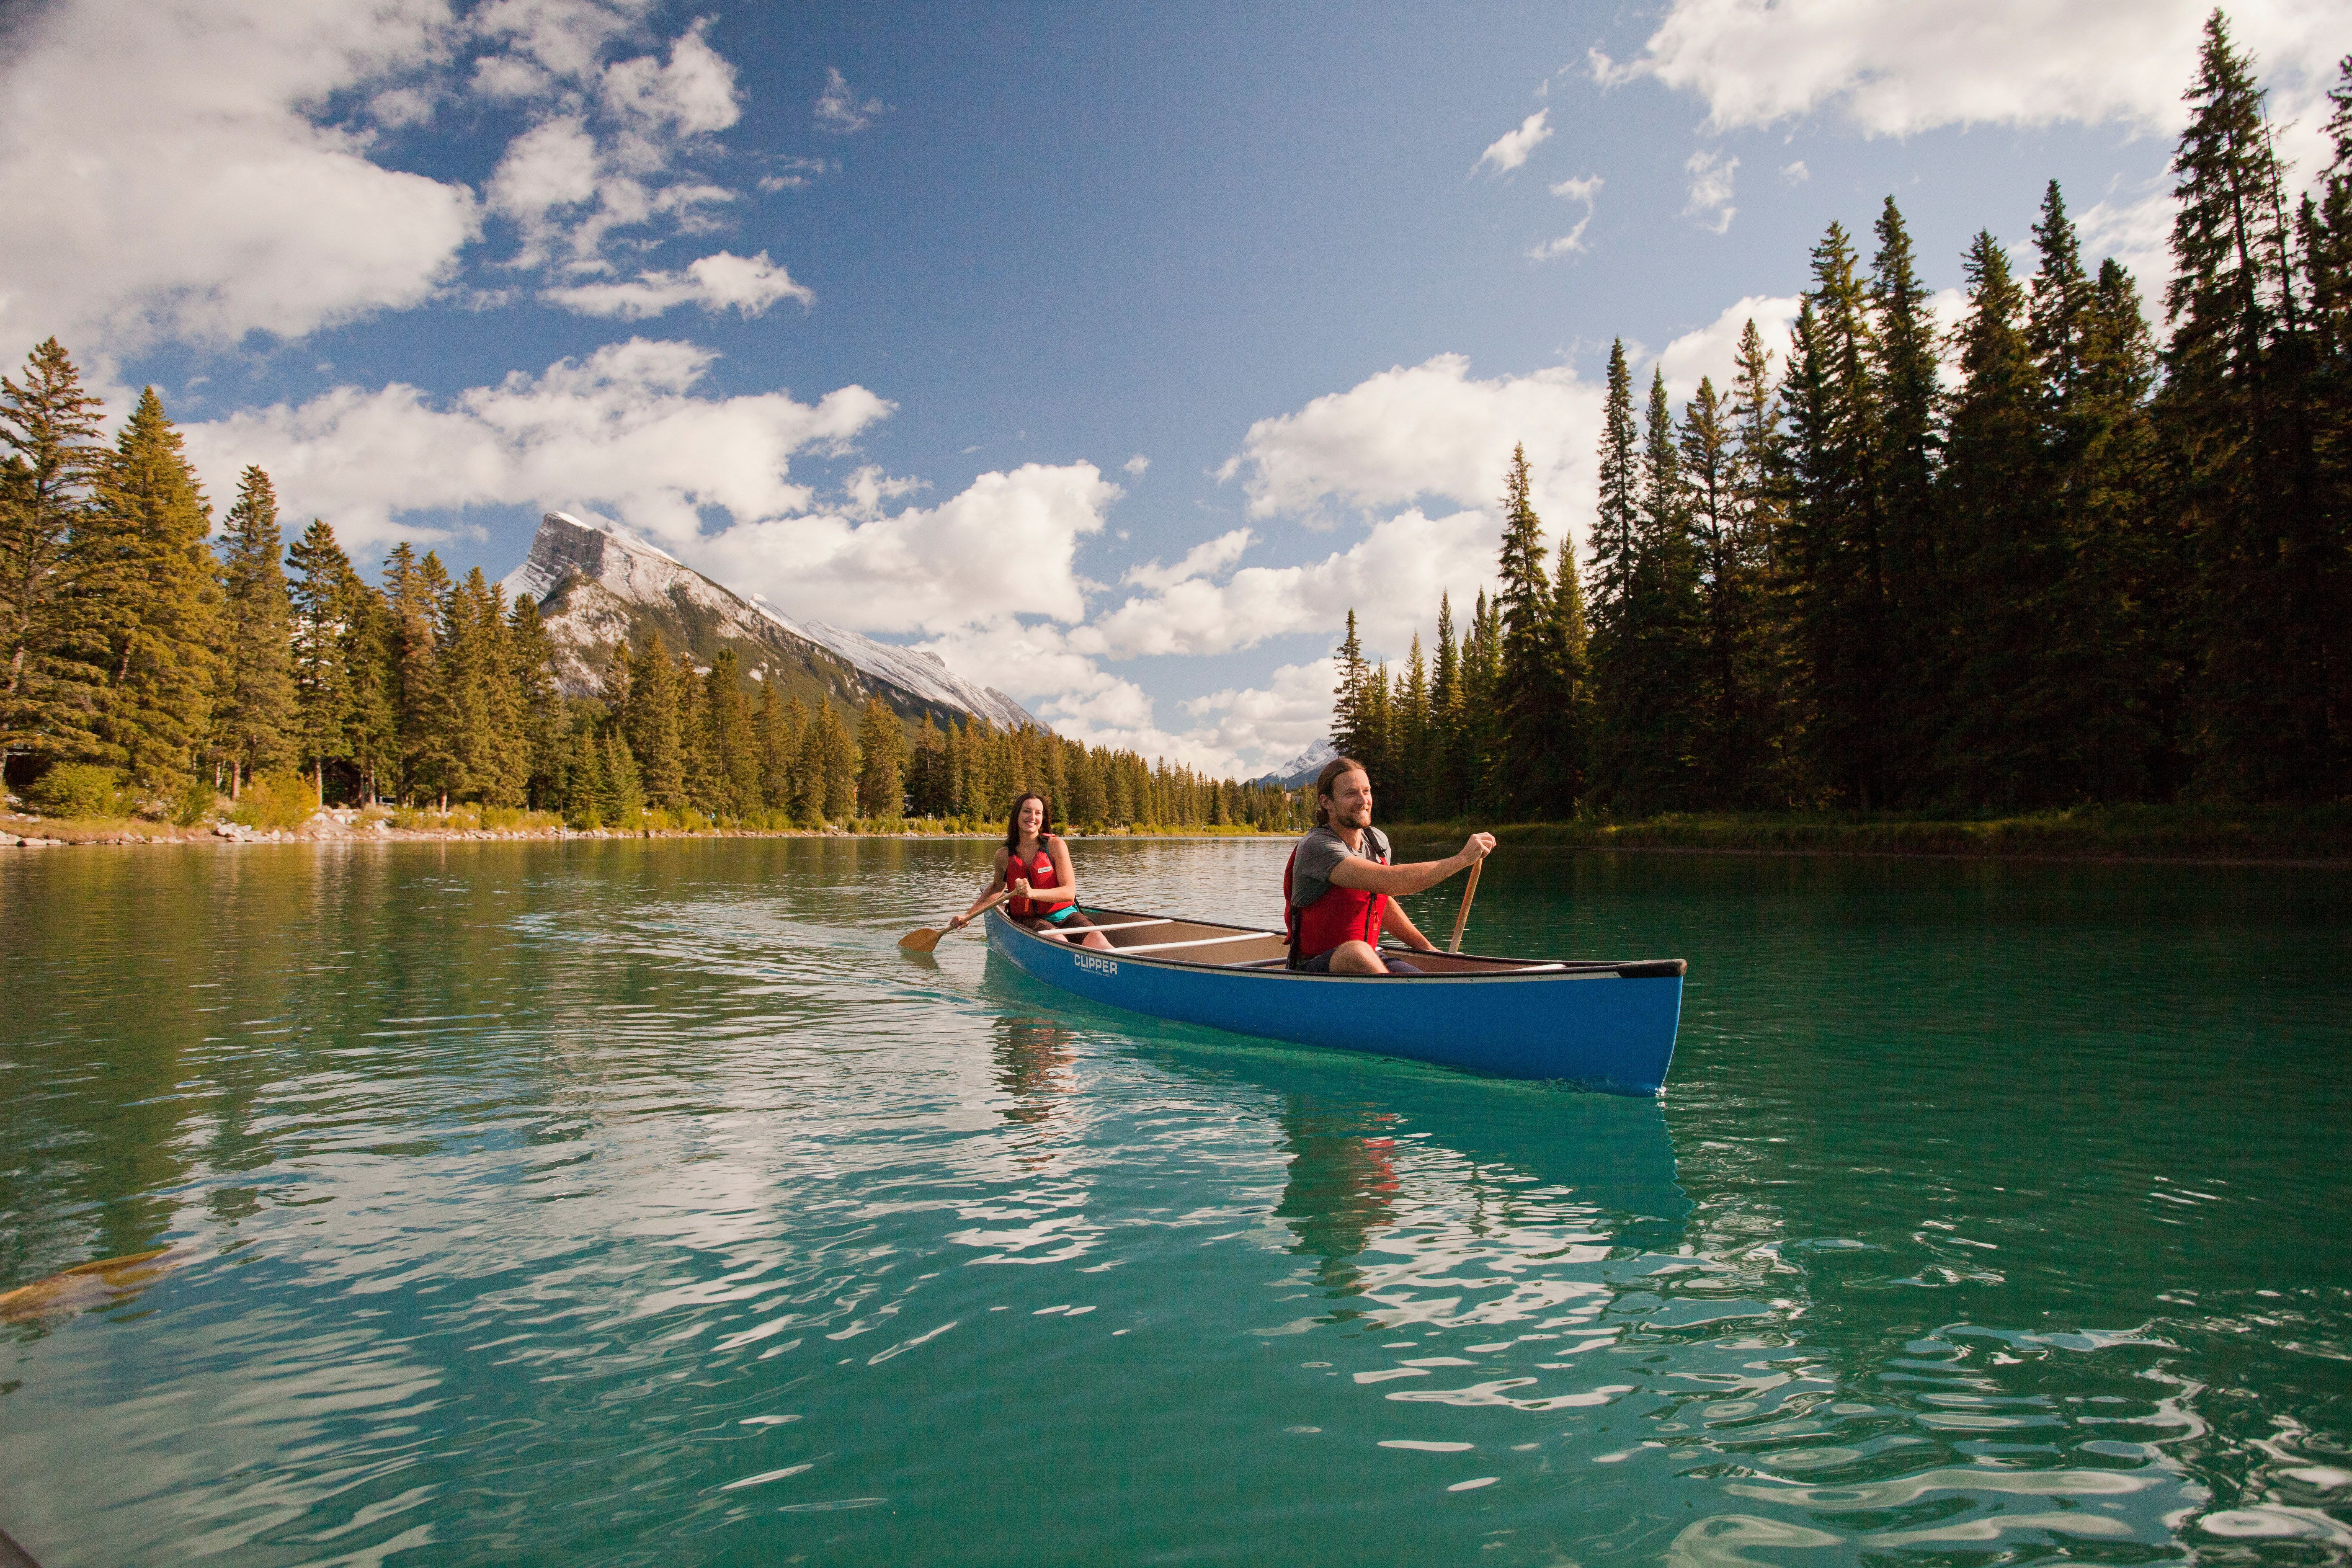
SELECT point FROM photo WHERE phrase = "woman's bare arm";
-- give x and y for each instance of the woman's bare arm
(994, 882)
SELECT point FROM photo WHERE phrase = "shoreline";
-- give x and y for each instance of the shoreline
(2040, 840)
(60, 833)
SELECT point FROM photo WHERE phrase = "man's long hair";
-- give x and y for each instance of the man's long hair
(1329, 777)
(1012, 822)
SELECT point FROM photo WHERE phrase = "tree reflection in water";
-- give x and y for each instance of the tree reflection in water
(1034, 1057)
(1342, 1185)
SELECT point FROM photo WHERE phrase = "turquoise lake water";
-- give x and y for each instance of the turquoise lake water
(640, 1203)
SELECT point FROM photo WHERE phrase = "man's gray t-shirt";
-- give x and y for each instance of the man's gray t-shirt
(1318, 852)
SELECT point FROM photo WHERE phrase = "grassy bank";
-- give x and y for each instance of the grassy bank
(2136, 832)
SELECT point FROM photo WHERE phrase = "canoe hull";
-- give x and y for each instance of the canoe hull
(1598, 1030)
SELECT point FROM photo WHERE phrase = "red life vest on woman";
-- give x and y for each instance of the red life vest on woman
(1040, 873)
(1341, 914)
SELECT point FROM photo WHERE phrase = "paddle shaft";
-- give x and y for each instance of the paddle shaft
(1462, 917)
(926, 938)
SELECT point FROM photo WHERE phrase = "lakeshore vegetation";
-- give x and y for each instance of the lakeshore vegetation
(2078, 569)
(149, 668)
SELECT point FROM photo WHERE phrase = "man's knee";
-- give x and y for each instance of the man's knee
(1357, 958)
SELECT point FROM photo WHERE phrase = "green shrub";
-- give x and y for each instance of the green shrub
(276, 800)
(194, 801)
(77, 789)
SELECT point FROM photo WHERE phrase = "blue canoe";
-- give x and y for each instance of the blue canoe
(1602, 1026)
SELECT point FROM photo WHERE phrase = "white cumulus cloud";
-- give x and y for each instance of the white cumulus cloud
(626, 431)
(1710, 190)
(164, 176)
(1510, 150)
(747, 285)
(842, 112)
(1390, 578)
(1712, 351)
(1896, 68)
(1006, 546)
(175, 170)
(1586, 190)
(1426, 430)
(1267, 725)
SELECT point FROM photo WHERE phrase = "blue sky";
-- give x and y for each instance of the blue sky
(1113, 353)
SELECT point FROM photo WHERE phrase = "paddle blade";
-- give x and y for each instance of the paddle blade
(921, 941)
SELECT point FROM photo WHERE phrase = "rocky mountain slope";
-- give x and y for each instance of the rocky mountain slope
(1302, 768)
(595, 586)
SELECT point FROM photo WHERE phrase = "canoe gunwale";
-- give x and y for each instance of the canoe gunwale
(1522, 968)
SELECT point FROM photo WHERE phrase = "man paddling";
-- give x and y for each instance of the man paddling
(1339, 892)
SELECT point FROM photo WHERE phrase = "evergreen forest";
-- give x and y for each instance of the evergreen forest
(153, 666)
(2048, 558)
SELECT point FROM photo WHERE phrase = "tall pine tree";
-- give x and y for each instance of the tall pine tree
(256, 715)
(50, 689)
(155, 624)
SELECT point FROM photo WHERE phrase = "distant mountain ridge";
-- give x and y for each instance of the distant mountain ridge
(1302, 768)
(596, 586)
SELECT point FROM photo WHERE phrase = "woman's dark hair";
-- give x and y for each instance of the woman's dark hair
(1325, 780)
(1012, 822)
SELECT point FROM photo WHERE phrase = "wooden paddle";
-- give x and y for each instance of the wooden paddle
(925, 940)
(1462, 918)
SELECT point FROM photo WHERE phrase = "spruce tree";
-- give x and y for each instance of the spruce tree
(414, 594)
(511, 735)
(463, 741)
(734, 753)
(155, 624)
(1415, 754)
(881, 744)
(1532, 700)
(1349, 737)
(544, 720)
(624, 795)
(2134, 558)
(1777, 775)
(2239, 371)
(1651, 709)
(1902, 385)
(1837, 445)
(2102, 692)
(1484, 759)
(1617, 524)
(708, 788)
(49, 482)
(256, 715)
(2003, 746)
(370, 643)
(1581, 713)
(779, 740)
(1449, 797)
(653, 732)
(1378, 734)
(1726, 750)
(838, 760)
(325, 597)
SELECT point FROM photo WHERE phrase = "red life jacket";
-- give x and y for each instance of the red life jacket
(1341, 914)
(1040, 874)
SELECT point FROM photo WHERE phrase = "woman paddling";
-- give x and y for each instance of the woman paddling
(1035, 863)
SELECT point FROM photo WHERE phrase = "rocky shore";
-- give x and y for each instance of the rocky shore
(27, 831)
